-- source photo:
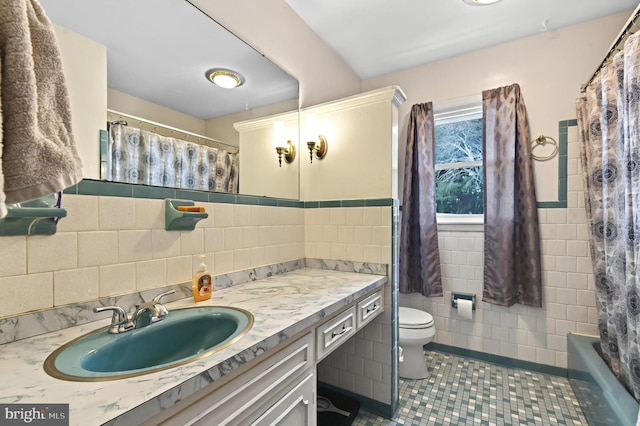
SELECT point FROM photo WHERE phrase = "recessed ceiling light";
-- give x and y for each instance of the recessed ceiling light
(480, 2)
(224, 78)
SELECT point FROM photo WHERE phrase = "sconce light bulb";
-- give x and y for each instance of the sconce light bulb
(310, 127)
(279, 138)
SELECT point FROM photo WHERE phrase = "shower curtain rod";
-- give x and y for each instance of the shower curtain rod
(112, 116)
(615, 47)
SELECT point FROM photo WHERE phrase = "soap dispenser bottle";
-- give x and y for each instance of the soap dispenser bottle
(202, 283)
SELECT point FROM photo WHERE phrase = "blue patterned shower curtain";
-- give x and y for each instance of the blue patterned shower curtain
(609, 132)
(143, 157)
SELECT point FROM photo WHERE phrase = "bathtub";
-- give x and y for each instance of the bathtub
(604, 400)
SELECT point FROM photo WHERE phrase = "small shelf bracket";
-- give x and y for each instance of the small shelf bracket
(176, 220)
(34, 217)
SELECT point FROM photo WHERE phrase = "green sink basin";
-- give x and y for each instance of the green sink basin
(185, 335)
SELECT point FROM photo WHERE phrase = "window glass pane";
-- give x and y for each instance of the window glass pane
(459, 141)
(460, 190)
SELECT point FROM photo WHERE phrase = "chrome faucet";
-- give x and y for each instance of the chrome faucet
(142, 316)
(150, 312)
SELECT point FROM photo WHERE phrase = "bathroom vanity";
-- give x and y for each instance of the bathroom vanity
(266, 377)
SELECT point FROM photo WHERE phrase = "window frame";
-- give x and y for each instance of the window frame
(450, 114)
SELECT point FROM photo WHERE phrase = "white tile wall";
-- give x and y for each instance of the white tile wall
(24, 293)
(526, 333)
(117, 279)
(191, 242)
(165, 244)
(84, 210)
(149, 215)
(73, 285)
(151, 274)
(360, 234)
(115, 213)
(134, 245)
(108, 246)
(179, 268)
(13, 252)
(53, 252)
(96, 248)
(223, 262)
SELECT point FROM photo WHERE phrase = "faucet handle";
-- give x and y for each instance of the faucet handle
(161, 295)
(150, 312)
(119, 320)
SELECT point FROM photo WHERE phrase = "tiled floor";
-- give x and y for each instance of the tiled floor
(464, 391)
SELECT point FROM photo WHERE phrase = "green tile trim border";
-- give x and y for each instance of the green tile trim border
(563, 144)
(371, 405)
(113, 189)
(366, 202)
(116, 189)
(498, 360)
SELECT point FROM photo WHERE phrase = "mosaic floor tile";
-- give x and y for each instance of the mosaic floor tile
(465, 391)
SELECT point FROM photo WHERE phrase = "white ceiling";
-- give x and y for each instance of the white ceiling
(376, 37)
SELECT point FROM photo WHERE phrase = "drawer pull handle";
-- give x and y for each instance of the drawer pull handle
(334, 334)
(372, 309)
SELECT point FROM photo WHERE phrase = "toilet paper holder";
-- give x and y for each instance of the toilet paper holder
(463, 296)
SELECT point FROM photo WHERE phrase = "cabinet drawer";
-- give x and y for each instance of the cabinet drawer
(369, 308)
(336, 331)
(242, 400)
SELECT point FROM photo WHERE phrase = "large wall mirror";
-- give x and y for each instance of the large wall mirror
(144, 62)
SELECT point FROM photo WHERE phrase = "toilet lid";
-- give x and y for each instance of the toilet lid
(414, 318)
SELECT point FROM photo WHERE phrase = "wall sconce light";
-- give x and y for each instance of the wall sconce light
(311, 130)
(288, 149)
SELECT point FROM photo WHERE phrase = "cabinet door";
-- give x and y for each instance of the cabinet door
(296, 408)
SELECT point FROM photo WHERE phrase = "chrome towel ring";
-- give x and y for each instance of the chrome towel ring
(542, 140)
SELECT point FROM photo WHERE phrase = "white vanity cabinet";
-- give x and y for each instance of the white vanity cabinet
(277, 391)
(280, 389)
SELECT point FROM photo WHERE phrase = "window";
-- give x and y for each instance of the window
(459, 179)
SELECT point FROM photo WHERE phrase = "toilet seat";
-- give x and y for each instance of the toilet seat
(414, 318)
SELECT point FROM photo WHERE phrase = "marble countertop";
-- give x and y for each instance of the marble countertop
(283, 305)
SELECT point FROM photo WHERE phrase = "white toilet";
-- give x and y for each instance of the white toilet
(416, 330)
